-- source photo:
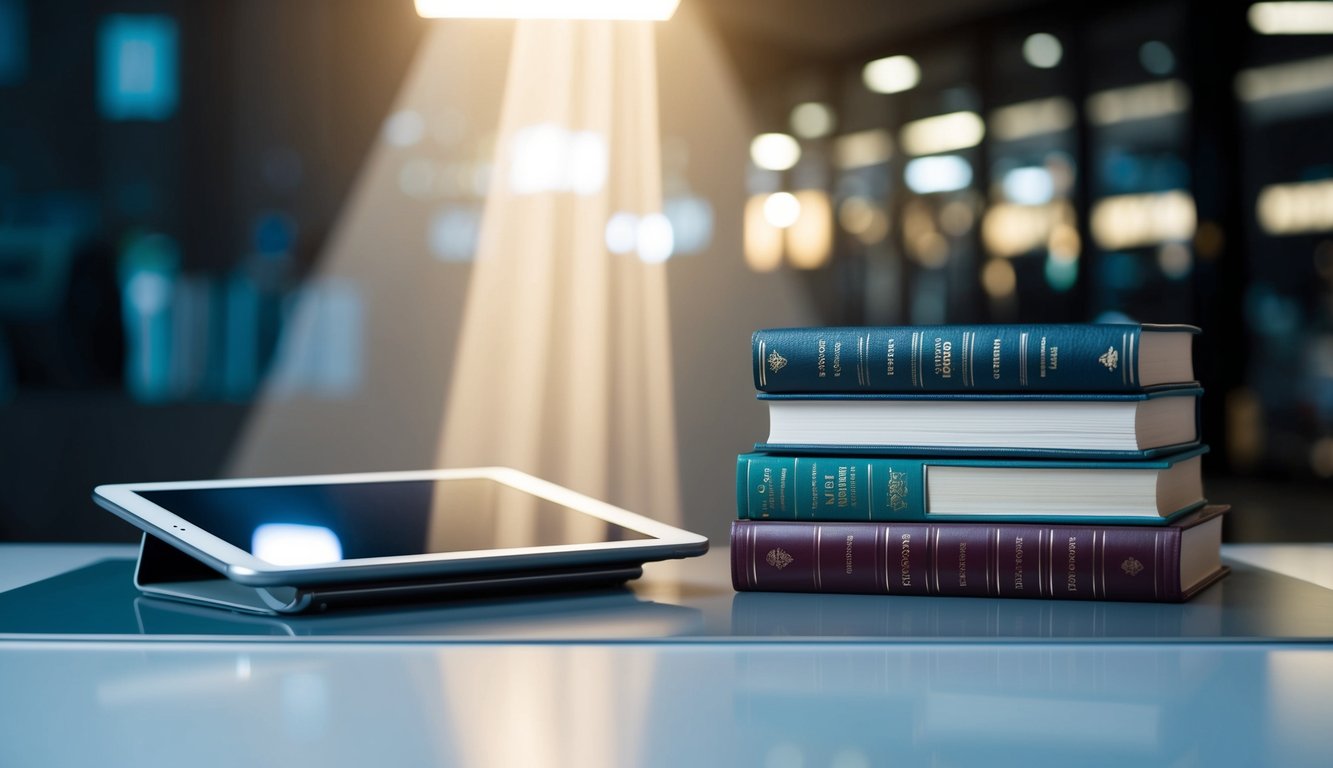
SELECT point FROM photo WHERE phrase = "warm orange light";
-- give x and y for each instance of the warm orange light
(1130, 221)
(763, 241)
(810, 237)
(610, 10)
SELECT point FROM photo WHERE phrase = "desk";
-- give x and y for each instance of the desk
(677, 670)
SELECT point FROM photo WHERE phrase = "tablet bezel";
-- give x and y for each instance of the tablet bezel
(124, 500)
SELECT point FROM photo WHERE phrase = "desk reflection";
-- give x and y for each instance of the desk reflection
(678, 704)
(1015, 705)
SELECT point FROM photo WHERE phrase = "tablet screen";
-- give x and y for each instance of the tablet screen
(308, 524)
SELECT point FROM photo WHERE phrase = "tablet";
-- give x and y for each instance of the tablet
(393, 527)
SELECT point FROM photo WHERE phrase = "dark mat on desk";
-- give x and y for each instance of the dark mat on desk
(100, 601)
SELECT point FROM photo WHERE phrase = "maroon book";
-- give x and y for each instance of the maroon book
(1167, 563)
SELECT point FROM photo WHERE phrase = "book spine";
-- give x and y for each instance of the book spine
(974, 560)
(829, 488)
(1066, 358)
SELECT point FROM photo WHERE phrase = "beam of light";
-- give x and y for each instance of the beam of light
(564, 366)
(942, 133)
(579, 706)
(548, 158)
(1292, 18)
(413, 258)
(609, 10)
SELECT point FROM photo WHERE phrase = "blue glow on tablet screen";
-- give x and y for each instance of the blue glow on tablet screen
(295, 544)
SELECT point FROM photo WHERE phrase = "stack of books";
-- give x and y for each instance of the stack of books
(1051, 461)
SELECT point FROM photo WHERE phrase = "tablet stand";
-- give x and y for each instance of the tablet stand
(164, 571)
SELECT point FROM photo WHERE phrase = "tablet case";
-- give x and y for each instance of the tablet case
(166, 572)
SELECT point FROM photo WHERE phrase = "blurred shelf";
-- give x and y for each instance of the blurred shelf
(55, 447)
(1272, 511)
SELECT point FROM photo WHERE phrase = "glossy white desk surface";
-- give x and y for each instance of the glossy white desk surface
(672, 673)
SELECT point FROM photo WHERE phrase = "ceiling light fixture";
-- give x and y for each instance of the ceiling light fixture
(611, 10)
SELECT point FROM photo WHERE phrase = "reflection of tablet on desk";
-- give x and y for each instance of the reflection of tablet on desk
(295, 543)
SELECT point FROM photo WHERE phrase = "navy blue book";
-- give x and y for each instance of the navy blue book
(1111, 426)
(973, 358)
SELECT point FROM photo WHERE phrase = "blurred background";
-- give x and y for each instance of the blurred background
(250, 237)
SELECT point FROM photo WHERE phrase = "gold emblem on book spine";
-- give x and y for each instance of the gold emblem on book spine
(776, 362)
(1131, 567)
(1110, 358)
(897, 490)
(778, 558)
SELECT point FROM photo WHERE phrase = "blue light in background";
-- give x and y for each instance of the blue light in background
(940, 173)
(13, 41)
(1121, 271)
(691, 220)
(321, 349)
(136, 67)
(1061, 274)
(149, 268)
(1029, 185)
(455, 232)
(274, 233)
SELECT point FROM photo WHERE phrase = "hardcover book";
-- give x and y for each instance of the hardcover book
(1157, 564)
(856, 488)
(973, 358)
(1080, 425)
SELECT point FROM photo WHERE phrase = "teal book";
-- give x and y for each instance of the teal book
(1074, 425)
(973, 358)
(883, 489)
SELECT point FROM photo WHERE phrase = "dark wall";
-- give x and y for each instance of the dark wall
(278, 105)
